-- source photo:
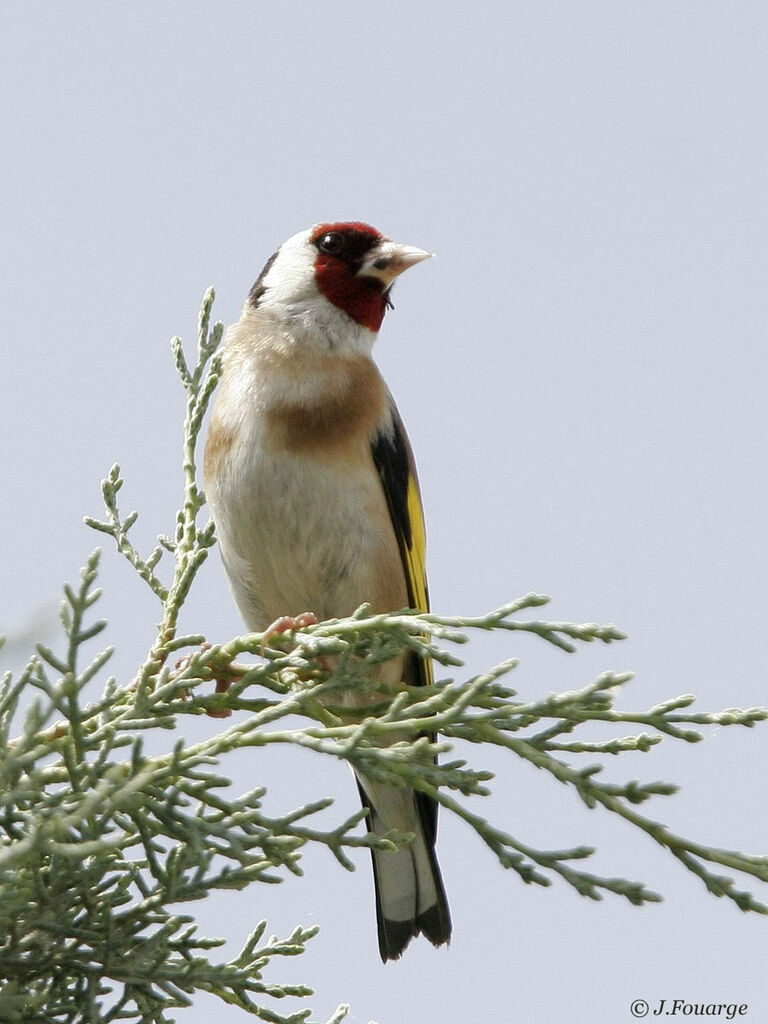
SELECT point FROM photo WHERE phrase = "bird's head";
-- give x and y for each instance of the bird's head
(333, 278)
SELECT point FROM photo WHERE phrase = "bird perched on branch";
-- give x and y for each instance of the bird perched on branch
(313, 489)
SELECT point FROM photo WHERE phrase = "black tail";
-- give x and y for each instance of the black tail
(410, 898)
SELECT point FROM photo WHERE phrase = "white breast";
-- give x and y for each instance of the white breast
(301, 534)
(303, 529)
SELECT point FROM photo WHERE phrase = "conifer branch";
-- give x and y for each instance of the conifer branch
(100, 841)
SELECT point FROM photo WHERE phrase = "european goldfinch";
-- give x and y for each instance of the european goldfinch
(313, 490)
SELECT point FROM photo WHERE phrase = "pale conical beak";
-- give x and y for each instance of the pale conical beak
(389, 259)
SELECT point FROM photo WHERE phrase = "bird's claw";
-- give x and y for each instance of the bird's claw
(183, 663)
(222, 685)
(288, 624)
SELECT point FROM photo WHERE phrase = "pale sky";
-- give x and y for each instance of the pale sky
(582, 371)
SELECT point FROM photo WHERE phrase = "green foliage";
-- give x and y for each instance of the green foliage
(100, 840)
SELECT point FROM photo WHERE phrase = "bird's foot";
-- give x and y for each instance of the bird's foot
(183, 663)
(222, 685)
(288, 624)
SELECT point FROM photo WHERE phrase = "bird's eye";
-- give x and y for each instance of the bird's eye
(331, 243)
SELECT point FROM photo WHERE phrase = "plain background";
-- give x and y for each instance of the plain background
(582, 371)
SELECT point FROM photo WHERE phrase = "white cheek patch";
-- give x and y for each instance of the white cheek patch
(304, 316)
(291, 278)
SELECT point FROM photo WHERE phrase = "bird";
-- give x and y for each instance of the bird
(312, 486)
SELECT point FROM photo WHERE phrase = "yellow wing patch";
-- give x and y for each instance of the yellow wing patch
(415, 561)
(416, 552)
(394, 463)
